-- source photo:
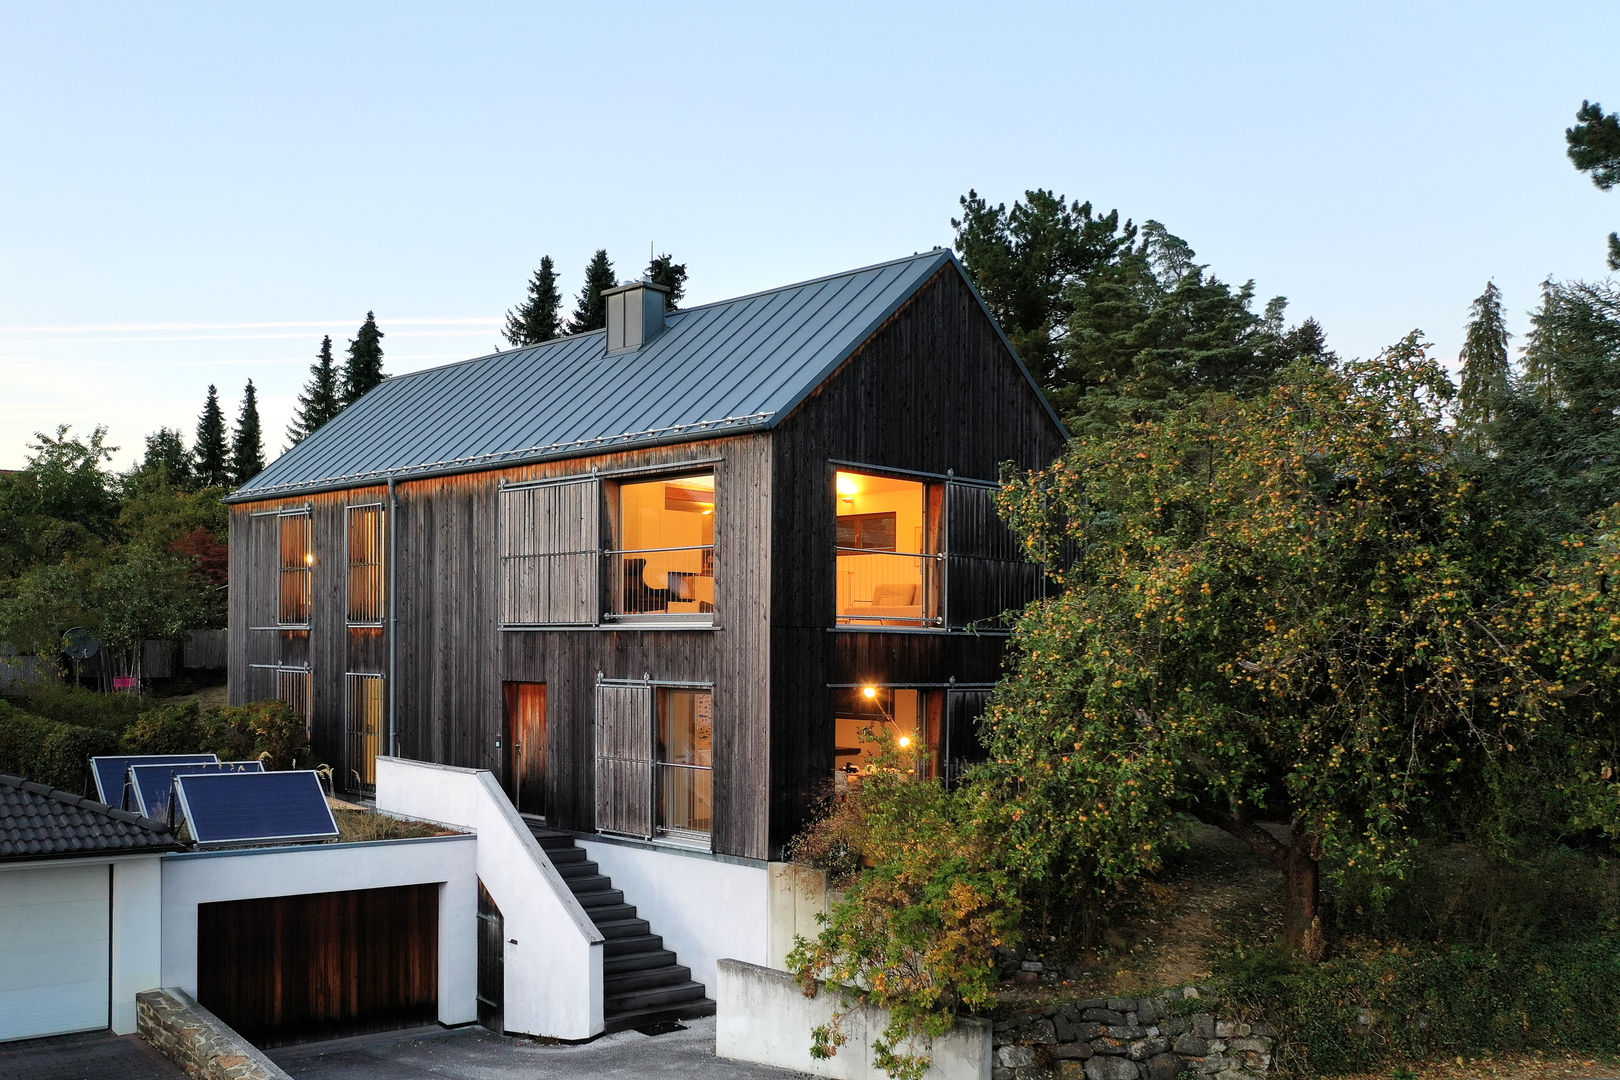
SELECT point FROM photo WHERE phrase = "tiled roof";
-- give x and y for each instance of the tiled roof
(40, 822)
(723, 368)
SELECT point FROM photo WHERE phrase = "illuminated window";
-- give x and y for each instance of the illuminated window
(888, 574)
(869, 719)
(294, 564)
(664, 563)
(366, 565)
(685, 761)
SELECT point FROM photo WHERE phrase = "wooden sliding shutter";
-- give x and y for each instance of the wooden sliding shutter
(962, 711)
(549, 554)
(985, 570)
(624, 759)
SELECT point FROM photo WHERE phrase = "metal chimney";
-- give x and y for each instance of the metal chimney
(635, 314)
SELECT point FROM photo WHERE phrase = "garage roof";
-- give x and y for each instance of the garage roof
(42, 822)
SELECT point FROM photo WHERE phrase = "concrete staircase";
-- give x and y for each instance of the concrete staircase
(641, 981)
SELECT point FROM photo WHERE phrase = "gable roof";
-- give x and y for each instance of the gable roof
(42, 822)
(723, 368)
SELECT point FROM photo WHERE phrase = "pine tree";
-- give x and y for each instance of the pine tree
(211, 455)
(247, 444)
(1484, 369)
(318, 402)
(166, 462)
(591, 314)
(538, 318)
(1594, 147)
(664, 270)
(364, 368)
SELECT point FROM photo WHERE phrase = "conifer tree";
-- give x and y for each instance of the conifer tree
(1594, 147)
(247, 443)
(664, 270)
(318, 402)
(1484, 369)
(167, 461)
(591, 313)
(364, 367)
(211, 455)
(538, 318)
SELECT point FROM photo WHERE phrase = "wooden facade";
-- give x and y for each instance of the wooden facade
(933, 392)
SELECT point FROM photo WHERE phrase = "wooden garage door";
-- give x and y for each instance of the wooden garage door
(53, 950)
(291, 969)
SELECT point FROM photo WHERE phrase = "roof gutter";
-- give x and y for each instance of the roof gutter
(488, 462)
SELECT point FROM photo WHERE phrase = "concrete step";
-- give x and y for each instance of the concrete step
(589, 898)
(689, 1010)
(623, 928)
(624, 946)
(561, 857)
(635, 961)
(652, 997)
(568, 871)
(625, 981)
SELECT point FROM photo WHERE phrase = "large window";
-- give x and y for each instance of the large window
(662, 565)
(365, 542)
(294, 563)
(871, 720)
(888, 574)
(654, 760)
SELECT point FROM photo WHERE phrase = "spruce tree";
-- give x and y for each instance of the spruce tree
(247, 443)
(167, 463)
(664, 270)
(318, 402)
(1594, 147)
(538, 318)
(212, 456)
(364, 367)
(1484, 369)
(591, 314)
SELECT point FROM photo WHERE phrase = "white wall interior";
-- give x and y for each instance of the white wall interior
(553, 955)
(204, 877)
(703, 907)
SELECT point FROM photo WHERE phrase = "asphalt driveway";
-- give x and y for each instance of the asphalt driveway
(473, 1053)
(92, 1055)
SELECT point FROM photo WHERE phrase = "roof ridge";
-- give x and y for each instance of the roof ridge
(81, 802)
(549, 342)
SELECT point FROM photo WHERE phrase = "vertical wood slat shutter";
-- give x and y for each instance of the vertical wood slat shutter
(985, 569)
(962, 711)
(624, 759)
(264, 569)
(549, 554)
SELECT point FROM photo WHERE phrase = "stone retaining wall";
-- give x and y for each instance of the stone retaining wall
(1150, 1038)
(197, 1040)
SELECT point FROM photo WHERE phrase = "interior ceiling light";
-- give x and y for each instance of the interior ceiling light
(847, 485)
(869, 691)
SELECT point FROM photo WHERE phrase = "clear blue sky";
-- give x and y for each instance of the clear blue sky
(195, 193)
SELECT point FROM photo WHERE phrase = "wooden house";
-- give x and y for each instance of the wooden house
(658, 579)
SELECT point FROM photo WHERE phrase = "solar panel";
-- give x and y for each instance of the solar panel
(110, 772)
(150, 784)
(255, 808)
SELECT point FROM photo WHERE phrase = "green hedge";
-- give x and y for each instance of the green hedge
(43, 750)
(84, 708)
(1362, 1012)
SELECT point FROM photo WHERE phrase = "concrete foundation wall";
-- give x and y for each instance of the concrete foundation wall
(704, 908)
(763, 1017)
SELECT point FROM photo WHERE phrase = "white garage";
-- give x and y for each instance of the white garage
(79, 910)
(55, 950)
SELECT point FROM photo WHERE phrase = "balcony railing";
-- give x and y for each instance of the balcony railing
(671, 582)
(888, 588)
(685, 798)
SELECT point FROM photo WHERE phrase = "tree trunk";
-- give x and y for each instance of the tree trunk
(1302, 919)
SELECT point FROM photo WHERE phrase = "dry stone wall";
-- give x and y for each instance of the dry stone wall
(198, 1041)
(1149, 1038)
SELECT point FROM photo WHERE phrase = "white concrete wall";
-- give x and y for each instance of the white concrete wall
(703, 908)
(137, 945)
(763, 1016)
(204, 877)
(798, 894)
(553, 950)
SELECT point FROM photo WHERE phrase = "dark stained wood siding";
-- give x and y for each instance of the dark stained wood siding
(299, 968)
(934, 390)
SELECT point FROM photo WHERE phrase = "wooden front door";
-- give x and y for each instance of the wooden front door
(525, 762)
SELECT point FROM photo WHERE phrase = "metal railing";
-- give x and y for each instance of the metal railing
(888, 588)
(685, 798)
(667, 582)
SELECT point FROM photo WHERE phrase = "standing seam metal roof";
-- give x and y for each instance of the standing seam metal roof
(735, 365)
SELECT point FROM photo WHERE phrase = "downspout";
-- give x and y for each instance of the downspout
(393, 619)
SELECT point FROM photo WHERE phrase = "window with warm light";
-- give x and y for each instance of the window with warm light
(295, 563)
(685, 762)
(887, 573)
(365, 543)
(867, 718)
(663, 564)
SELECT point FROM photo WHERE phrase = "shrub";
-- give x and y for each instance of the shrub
(68, 704)
(270, 730)
(1361, 1012)
(46, 752)
(171, 729)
